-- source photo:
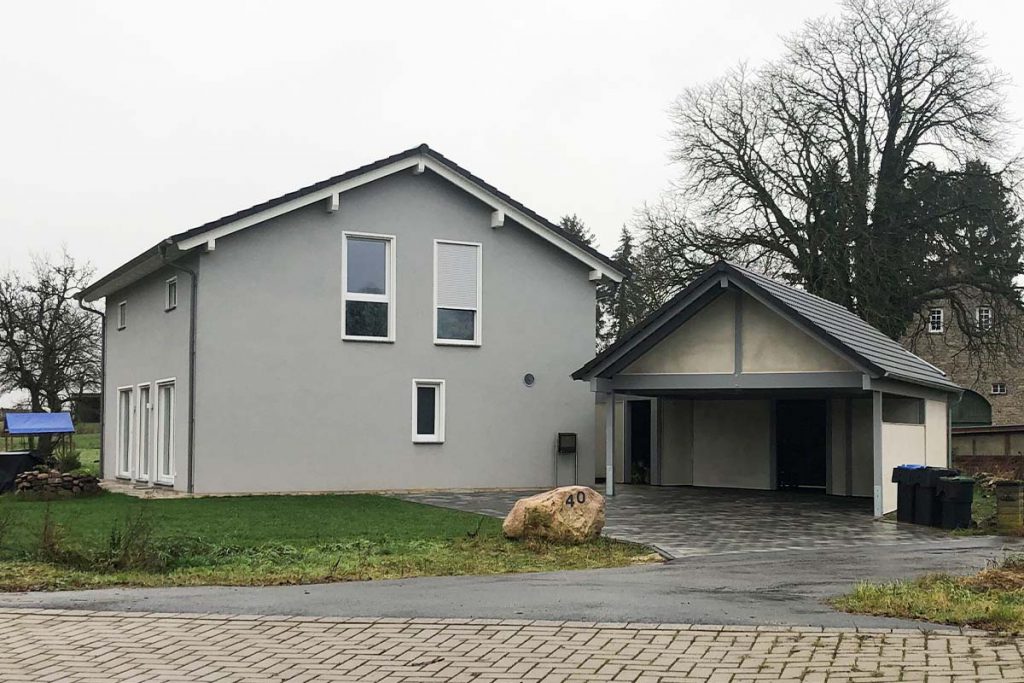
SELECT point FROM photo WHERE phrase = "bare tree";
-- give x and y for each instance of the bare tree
(49, 347)
(810, 168)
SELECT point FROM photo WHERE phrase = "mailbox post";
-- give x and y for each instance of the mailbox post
(566, 445)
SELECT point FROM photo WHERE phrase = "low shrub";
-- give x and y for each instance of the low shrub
(65, 458)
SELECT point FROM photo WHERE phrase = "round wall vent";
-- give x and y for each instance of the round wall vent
(529, 379)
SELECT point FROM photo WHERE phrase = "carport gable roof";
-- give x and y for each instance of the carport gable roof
(837, 328)
(418, 158)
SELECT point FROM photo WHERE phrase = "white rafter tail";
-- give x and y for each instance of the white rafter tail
(210, 245)
(420, 167)
(594, 275)
(333, 203)
(497, 218)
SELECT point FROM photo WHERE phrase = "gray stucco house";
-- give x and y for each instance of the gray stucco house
(403, 325)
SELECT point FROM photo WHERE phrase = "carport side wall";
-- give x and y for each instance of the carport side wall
(732, 443)
(936, 414)
(901, 443)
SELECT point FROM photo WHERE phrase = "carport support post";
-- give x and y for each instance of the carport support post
(609, 444)
(876, 448)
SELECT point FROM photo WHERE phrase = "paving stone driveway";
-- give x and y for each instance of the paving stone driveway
(80, 647)
(685, 521)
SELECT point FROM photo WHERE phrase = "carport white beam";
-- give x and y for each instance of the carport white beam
(760, 380)
(609, 445)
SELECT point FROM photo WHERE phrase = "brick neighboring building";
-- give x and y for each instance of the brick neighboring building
(997, 382)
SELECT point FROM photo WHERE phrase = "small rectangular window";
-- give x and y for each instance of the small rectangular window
(457, 292)
(935, 321)
(998, 388)
(902, 409)
(122, 315)
(171, 295)
(983, 315)
(428, 410)
(368, 283)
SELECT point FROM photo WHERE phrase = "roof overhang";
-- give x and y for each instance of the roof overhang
(417, 160)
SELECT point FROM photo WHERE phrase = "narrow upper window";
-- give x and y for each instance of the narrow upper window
(457, 292)
(999, 388)
(935, 321)
(122, 315)
(171, 294)
(428, 411)
(368, 287)
(983, 314)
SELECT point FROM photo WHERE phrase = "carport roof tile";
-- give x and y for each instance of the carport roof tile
(826, 318)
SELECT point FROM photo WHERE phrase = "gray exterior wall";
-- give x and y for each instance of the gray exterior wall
(283, 404)
(153, 346)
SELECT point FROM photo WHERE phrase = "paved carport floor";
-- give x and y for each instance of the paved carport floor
(688, 521)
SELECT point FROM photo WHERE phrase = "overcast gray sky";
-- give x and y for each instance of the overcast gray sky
(124, 122)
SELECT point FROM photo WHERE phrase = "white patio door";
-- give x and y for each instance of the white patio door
(144, 467)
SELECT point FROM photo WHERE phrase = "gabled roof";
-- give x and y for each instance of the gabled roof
(832, 324)
(419, 158)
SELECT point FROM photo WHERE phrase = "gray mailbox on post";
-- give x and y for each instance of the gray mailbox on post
(565, 447)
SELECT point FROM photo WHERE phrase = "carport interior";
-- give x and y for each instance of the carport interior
(814, 441)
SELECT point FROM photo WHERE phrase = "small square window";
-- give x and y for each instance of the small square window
(998, 388)
(935, 321)
(983, 315)
(171, 295)
(428, 411)
(122, 315)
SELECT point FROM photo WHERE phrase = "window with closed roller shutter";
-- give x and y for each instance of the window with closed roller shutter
(457, 292)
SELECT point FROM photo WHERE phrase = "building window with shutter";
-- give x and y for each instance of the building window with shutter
(935, 321)
(368, 287)
(428, 411)
(457, 292)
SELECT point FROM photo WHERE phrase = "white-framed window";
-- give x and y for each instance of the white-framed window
(935, 321)
(124, 432)
(998, 389)
(171, 294)
(983, 316)
(428, 411)
(458, 270)
(165, 431)
(122, 315)
(144, 448)
(367, 287)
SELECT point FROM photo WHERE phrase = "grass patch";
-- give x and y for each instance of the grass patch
(992, 599)
(117, 540)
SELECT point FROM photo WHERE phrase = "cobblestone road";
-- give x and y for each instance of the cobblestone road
(108, 646)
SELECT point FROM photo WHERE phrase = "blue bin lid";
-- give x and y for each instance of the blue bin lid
(910, 467)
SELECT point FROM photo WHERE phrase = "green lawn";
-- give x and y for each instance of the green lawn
(993, 599)
(113, 539)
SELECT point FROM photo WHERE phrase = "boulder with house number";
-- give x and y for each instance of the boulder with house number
(568, 514)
